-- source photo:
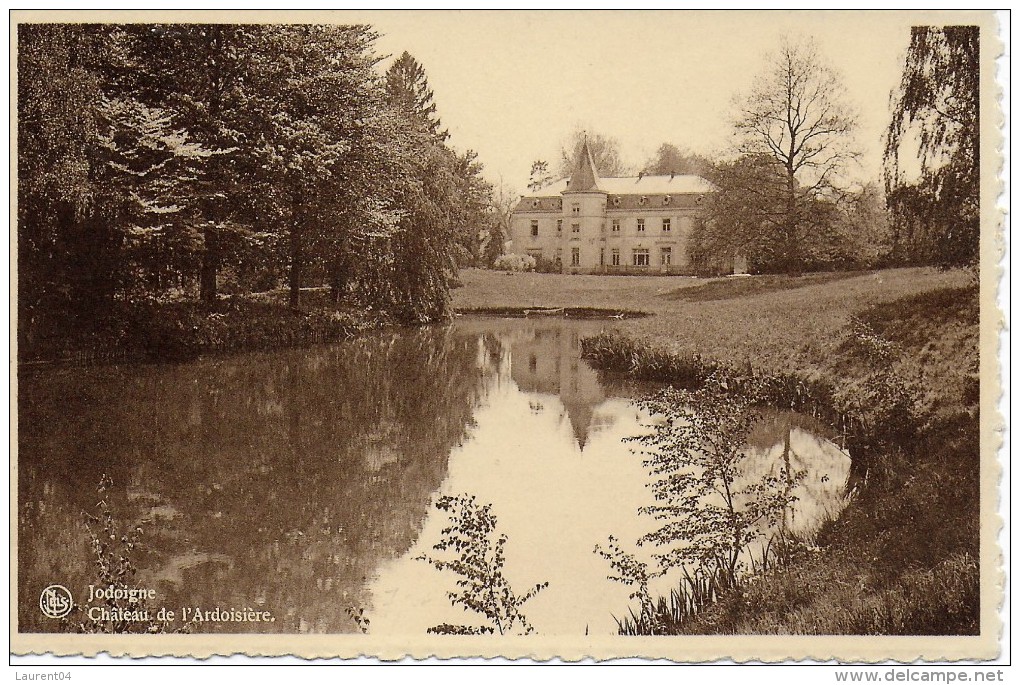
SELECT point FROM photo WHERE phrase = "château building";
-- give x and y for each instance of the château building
(588, 224)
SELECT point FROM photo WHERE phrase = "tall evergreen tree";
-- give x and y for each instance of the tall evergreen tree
(407, 89)
(198, 71)
(318, 144)
(105, 180)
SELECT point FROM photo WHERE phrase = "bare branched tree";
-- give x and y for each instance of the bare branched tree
(796, 115)
(605, 152)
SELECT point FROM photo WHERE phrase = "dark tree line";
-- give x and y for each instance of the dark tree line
(189, 161)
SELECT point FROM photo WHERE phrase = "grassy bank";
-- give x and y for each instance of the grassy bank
(891, 358)
(174, 331)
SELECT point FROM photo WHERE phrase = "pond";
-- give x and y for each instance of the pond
(302, 482)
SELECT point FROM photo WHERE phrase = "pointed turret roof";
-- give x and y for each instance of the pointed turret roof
(579, 413)
(585, 178)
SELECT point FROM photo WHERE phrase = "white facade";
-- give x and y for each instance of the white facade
(589, 224)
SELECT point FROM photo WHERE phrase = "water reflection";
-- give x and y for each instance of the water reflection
(301, 481)
(277, 480)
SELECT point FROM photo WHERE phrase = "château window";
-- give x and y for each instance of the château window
(640, 225)
(666, 256)
(575, 228)
(559, 225)
(666, 225)
(534, 227)
(575, 256)
(615, 257)
(616, 225)
(640, 257)
(575, 209)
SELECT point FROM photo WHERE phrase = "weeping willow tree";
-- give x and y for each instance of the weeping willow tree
(934, 196)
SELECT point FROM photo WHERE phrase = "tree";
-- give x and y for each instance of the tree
(151, 176)
(319, 146)
(746, 216)
(670, 159)
(795, 116)
(463, 210)
(471, 207)
(743, 216)
(867, 227)
(936, 214)
(64, 71)
(540, 175)
(503, 201)
(198, 71)
(106, 181)
(407, 88)
(605, 152)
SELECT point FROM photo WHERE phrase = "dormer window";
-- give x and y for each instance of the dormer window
(666, 200)
(534, 204)
(643, 200)
(616, 202)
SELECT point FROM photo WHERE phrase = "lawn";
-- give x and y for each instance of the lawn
(772, 323)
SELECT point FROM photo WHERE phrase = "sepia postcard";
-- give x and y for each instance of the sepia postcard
(523, 334)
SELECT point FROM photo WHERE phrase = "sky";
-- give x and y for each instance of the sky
(513, 85)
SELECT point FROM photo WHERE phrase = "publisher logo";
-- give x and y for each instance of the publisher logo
(56, 601)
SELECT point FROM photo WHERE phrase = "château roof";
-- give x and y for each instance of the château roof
(677, 184)
(585, 177)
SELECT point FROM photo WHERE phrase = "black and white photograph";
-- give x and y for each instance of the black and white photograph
(544, 334)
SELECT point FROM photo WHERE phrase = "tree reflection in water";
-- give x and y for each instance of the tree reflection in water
(273, 480)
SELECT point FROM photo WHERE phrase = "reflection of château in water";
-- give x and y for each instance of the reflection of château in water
(545, 359)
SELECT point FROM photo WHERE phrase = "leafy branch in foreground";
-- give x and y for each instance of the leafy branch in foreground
(710, 502)
(113, 552)
(472, 536)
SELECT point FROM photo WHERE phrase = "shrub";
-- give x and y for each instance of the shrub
(709, 513)
(479, 562)
(514, 263)
(544, 265)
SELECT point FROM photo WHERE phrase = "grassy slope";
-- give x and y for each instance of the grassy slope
(773, 323)
(903, 557)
